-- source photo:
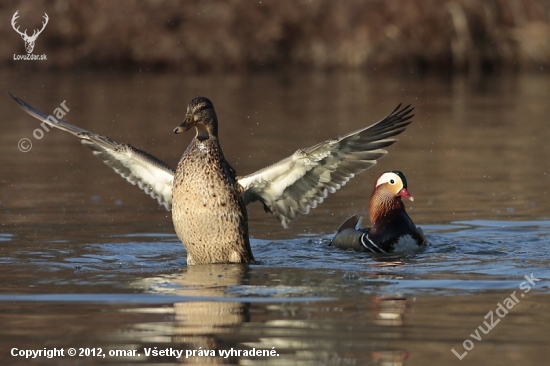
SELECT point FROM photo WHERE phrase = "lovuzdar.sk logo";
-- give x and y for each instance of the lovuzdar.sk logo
(29, 40)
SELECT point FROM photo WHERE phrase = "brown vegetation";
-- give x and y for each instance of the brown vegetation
(219, 35)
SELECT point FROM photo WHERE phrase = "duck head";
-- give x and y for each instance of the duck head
(201, 115)
(387, 194)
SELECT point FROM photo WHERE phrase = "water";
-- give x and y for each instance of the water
(88, 261)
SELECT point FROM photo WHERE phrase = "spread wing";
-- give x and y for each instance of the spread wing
(301, 181)
(150, 174)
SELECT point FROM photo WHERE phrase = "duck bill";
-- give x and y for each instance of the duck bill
(184, 126)
(405, 194)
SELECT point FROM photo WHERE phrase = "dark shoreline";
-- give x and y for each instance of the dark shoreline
(419, 36)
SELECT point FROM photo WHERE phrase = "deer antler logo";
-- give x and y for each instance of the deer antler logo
(29, 41)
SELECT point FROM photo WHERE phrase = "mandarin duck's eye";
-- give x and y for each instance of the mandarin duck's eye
(392, 181)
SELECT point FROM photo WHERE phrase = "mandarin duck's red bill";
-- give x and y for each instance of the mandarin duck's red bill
(392, 229)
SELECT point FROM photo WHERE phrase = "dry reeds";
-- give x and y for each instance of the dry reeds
(238, 35)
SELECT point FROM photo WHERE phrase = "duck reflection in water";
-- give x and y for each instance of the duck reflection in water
(200, 322)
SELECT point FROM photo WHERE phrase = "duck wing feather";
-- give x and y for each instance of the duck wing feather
(150, 174)
(303, 180)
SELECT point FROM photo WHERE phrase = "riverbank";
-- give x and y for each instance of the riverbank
(220, 36)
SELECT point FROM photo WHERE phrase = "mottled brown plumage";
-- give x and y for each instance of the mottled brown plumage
(207, 209)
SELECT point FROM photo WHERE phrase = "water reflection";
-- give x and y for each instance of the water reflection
(300, 333)
(197, 324)
(390, 310)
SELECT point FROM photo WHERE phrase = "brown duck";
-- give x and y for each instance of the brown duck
(392, 230)
(206, 196)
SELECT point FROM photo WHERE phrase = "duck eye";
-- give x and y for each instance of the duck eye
(392, 181)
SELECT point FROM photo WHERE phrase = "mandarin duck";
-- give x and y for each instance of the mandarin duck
(392, 229)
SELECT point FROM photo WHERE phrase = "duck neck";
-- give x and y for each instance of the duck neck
(383, 205)
(206, 132)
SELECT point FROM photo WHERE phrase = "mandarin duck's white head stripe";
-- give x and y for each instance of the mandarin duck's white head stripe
(396, 183)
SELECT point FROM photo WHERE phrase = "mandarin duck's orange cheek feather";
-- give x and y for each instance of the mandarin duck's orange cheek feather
(384, 200)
